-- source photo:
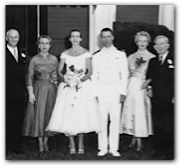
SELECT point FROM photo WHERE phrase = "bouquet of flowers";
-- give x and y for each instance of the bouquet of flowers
(54, 78)
(72, 77)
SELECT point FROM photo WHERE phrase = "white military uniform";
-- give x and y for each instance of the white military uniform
(110, 75)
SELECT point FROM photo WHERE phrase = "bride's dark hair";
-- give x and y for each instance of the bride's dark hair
(75, 30)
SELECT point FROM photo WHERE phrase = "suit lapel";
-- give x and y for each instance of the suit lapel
(20, 59)
(164, 66)
(19, 56)
(11, 55)
(165, 63)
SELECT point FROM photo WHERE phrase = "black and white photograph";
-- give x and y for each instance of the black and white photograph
(90, 81)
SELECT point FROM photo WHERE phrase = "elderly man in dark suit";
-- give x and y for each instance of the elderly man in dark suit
(160, 77)
(15, 93)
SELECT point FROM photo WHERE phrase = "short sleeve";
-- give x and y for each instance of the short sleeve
(88, 55)
(63, 55)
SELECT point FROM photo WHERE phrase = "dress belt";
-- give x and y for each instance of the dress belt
(48, 80)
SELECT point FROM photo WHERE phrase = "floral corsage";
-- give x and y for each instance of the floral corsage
(54, 78)
(139, 61)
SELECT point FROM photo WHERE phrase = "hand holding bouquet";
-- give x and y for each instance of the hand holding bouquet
(72, 77)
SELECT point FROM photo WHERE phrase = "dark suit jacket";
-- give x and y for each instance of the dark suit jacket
(15, 77)
(162, 77)
(15, 100)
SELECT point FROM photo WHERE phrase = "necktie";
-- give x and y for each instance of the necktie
(15, 55)
(161, 59)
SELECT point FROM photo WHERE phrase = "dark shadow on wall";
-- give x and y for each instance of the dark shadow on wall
(124, 35)
(67, 43)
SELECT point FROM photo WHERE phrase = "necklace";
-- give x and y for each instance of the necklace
(44, 55)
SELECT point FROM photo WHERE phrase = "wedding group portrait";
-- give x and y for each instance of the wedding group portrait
(90, 82)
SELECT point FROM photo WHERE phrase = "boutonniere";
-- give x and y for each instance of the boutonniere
(171, 66)
(170, 63)
(23, 55)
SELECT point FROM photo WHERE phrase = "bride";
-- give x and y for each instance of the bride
(76, 110)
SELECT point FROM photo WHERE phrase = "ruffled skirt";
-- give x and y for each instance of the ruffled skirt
(75, 111)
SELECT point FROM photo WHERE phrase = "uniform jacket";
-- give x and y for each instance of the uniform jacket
(110, 74)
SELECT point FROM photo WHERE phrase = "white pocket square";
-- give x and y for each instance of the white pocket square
(171, 66)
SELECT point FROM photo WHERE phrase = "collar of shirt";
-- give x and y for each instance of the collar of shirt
(163, 56)
(109, 50)
(12, 49)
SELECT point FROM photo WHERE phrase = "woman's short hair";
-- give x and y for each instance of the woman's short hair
(142, 33)
(44, 36)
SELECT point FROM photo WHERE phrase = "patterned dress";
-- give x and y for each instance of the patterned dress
(136, 116)
(40, 75)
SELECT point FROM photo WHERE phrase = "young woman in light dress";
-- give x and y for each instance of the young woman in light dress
(136, 116)
(76, 111)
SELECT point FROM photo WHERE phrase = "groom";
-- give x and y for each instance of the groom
(110, 74)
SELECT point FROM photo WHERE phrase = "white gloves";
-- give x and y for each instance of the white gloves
(31, 94)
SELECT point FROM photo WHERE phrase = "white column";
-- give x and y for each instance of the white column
(101, 16)
(166, 16)
(38, 20)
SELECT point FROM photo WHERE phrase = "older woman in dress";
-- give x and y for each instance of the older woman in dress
(42, 88)
(136, 116)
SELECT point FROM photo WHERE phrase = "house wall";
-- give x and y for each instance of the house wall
(61, 20)
(24, 19)
(58, 20)
(167, 16)
(137, 13)
(104, 16)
